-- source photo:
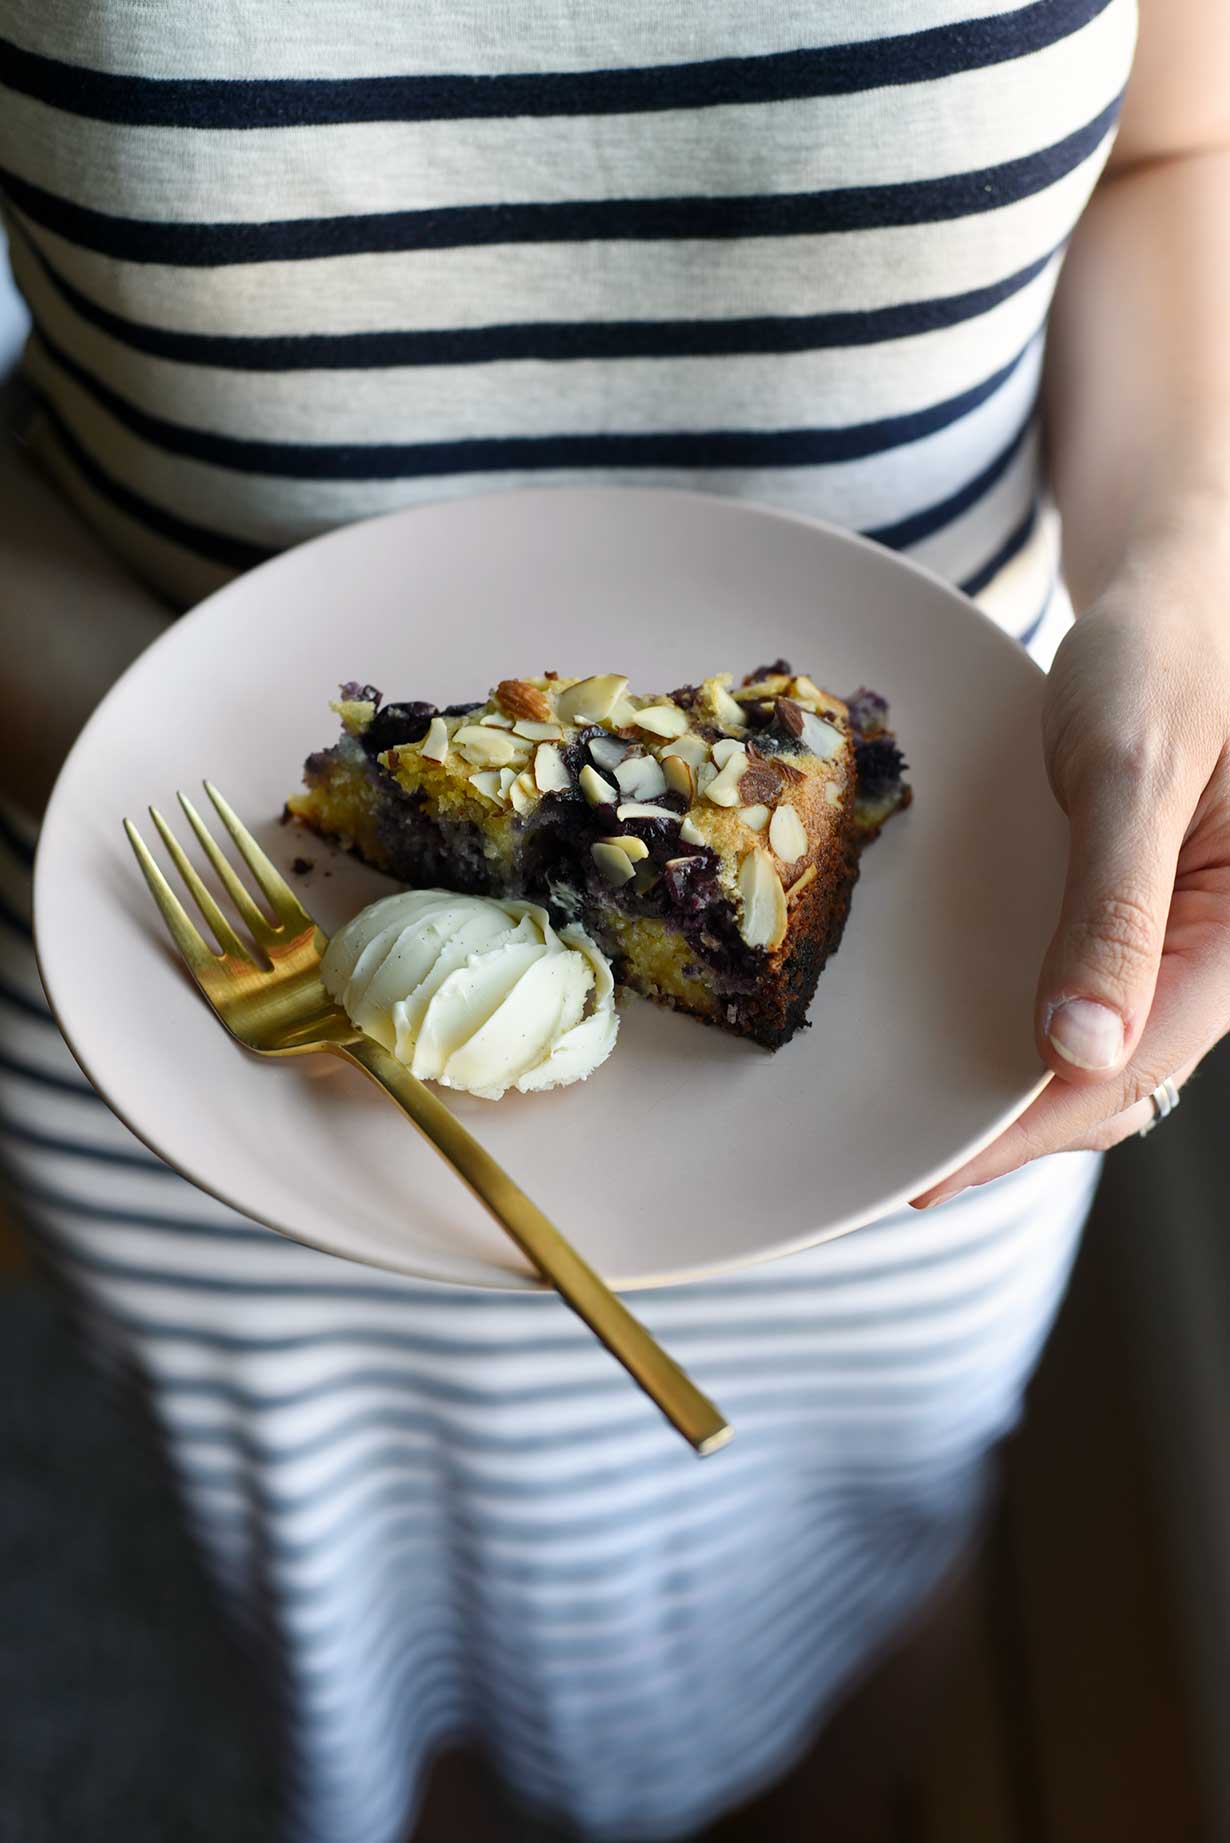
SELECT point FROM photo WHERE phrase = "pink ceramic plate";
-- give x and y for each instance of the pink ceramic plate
(689, 1153)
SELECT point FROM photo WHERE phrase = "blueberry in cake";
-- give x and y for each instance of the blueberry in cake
(708, 839)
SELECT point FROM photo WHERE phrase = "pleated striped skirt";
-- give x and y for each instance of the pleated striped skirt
(444, 1514)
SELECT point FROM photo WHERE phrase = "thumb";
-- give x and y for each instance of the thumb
(1099, 975)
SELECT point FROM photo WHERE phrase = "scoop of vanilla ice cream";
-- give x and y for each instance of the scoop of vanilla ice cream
(474, 993)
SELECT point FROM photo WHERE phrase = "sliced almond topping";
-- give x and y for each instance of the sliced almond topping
(637, 809)
(523, 794)
(764, 920)
(788, 835)
(787, 770)
(724, 707)
(616, 866)
(759, 785)
(485, 748)
(805, 690)
(633, 848)
(662, 720)
(678, 776)
(537, 732)
(495, 720)
(608, 752)
(550, 773)
(832, 792)
(648, 876)
(691, 833)
(435, 742)
(788, 714)
(487, 783)
(591, 699)
(725, 747)
(640, 778)
(521, 699)
(706, 775)
(723, 790)
(796, 889)
(773, 684)
(821, 738)
(597, 791)
(622, 714)
(689, 747)
(755, 818)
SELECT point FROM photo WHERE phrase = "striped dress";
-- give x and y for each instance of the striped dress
(801, 253)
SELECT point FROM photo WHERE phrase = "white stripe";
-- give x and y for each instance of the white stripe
(878, 489)
(672, 280)
(930, 129)
(372, 38)
(962, 547)
(833, 387)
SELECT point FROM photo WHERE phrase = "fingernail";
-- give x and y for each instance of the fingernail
(1087, 1034)
(940, 1196)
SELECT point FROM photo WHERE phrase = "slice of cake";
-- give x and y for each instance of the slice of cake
(707, 839)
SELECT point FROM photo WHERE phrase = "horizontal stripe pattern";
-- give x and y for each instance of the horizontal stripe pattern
(803, 254)
(550, 342)
(831, 70)
(772, 214)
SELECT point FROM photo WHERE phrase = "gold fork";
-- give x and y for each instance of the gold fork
(269, 994)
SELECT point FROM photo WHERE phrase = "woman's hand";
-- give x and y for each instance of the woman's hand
(1136, 983)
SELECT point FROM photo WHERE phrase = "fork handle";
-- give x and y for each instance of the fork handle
(692, 1413)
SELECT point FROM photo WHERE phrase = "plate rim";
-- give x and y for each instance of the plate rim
(530, 1283)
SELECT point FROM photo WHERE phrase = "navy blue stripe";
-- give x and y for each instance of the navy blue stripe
(442, 1297)
(297, 102)
(436, 1431)
(553, 341)
(20, 847)
(46, 1078)
(401, 1502)
(130, 1218)
(29, 1007)
(1012, 545)
(900, 1373)
(597, 1659)
(434, 1652)
(77, 1148)
(11, 919)
(447, 1302)
(491, 1348)
(1034, 628)
(705, 448)
(676, 1585)
(933, 518)
(217, 547)
(786, 214)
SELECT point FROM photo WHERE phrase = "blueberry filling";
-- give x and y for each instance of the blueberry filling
(868, 711)
(396, 725)
(879, 765)
(878, 762)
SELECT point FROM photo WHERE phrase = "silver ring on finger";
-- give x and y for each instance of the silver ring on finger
(1165, 1098)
